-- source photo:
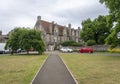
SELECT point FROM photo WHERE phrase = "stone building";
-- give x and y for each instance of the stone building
(54, 34)
(3, 38)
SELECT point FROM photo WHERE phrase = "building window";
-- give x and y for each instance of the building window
(64, 32)
(55, 32)
(55, 39)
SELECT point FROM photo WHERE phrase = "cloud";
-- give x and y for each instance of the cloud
(24, 12)
(76, 14)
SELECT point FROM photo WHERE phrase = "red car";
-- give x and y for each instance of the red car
(86, 50)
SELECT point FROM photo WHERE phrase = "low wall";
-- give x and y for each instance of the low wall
(101, 47)
(95, 47)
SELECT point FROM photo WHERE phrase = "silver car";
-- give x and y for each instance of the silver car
(66, 49)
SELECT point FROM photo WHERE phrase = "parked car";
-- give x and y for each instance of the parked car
(86, 50)
(66, 49)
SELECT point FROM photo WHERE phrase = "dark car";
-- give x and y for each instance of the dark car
(86, 50)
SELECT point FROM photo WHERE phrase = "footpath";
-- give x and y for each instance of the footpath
(54, 71)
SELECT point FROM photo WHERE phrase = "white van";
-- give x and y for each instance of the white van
(2, 48)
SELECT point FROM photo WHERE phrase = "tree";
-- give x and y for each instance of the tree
(114, 8)
(114, 11)
(24, 38)
(101, 28)
(97, 30)
(87, 31)
(36, 41)
(13, 41)
(113, 39)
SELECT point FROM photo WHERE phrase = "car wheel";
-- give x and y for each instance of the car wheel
(91, 51)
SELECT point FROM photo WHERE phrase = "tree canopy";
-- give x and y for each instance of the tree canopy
(113, 39)
(104, 29)
(114, 8)
(114, 11)
(97, 30)
(25, 39)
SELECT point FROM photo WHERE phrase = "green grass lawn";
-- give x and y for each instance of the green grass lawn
(96, 68)
(19, 69)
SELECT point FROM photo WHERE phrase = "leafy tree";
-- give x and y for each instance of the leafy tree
(113, 39)
(97, 30)
(24, 38)
(101, 28)
(114, 11)
(87, 31)
(114, 8)
(36, 41)
(13, 41)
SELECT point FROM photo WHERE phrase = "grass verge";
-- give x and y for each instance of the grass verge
(97, 68)
(19, 69)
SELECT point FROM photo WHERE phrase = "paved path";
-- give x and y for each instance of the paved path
(53, 71)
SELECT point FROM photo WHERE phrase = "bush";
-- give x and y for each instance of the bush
(90, 42)
(114, 50)
(71, 43)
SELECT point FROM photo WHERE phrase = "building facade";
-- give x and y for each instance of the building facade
(54, 34)
(3, 38)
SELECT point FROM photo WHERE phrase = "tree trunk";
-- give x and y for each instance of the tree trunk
(96, 38)
(27, 52)
(40, 53)
(12, 52)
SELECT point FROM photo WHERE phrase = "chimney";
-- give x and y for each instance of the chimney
(69, 25)
(0, 32)
(39, 18)
(38, 23)
(53, 22)
(78, 28)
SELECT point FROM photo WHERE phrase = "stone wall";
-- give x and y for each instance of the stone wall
(101, 47)
(95, 47)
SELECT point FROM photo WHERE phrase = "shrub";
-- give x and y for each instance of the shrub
(90, 42)
(114, 50)
(71, 43)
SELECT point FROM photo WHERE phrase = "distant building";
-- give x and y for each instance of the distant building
(3, 38)
(54, 34)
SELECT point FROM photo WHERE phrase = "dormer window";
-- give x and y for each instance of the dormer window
(55, 32)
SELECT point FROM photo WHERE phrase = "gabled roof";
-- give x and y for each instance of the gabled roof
(46, 25)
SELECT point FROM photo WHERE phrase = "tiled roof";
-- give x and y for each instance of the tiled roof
(46, 25)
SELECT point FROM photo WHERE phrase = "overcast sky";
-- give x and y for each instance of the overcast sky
(23, 13)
